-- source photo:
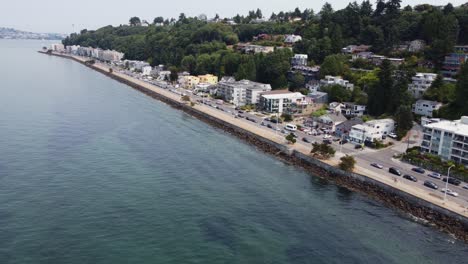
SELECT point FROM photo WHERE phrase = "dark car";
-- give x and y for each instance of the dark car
(327, 141)
(240, 112)
(452, 181)
(306, 140)
(294, 134)
(418, 170)
(410, 177)
(344, 141)
(431, 185)
(394, 171)
(269, 126)
(358, 146)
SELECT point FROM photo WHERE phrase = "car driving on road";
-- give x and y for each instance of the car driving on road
(418, 170)
(435, 175)
(431, 185)
(395, 171)
(450, 192)
(452, 181)
(377, 165)
(410, 177)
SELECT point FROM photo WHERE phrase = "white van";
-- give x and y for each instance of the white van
(290, 127)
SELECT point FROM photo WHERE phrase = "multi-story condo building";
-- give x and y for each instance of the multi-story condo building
(371, 130)
(425, 107)
(420, 83)
(241, 92)
(279, 101)
(208, 78)
(299, 60)
(447, 139)
(452, 63)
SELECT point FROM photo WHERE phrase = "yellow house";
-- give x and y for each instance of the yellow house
(190, 81)
(208, 78)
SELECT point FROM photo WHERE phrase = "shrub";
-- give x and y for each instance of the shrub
(291, 139)
(322, 151)
(347, 163)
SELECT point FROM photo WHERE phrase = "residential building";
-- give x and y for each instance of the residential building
(309, 73)
(452, 64)
(254, 49)
(342, 130)
(299, 60)
(425, 107)
(291, 39)
(58, 47)
(329, 121)
(416, 45)
(365, 55)
(420, 83)
(371, 130)
(318, 97)
(461, 49)
(335, 107)
(189, 81)
(146, 70)
(353, 110)
(208, 78)
(332, 80)
(241, 92)
(447, 139)
(378, 59)
(355, 49)
(279, 101)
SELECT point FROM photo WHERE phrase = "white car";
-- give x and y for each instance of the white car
(327, 137)
(435, 175)
(450, 192)
(393, 135)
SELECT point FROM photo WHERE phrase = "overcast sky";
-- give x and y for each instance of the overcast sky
(58, 16)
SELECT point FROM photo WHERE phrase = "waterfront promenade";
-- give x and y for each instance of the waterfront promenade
(393, 182)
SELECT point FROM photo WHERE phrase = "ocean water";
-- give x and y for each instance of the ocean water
(92, 171)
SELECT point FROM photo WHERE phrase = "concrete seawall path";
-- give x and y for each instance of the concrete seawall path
(455, 210)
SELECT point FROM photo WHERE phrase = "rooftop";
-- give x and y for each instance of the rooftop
(456, 126)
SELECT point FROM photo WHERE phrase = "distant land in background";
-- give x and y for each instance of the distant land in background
(10, 33)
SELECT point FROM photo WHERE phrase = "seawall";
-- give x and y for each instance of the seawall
(434, 215)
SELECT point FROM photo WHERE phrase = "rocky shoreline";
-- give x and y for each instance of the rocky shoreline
(438, 217)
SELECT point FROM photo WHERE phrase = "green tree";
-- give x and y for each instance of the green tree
(337, 93)
(381, 92)
(290, 138)
(203, 64)
(347, 163)
(322, 150)
(461, 91)
(174, 75)
(158, 20)
(297, 81)
(333, 65)
(404, 119)
(135, 21)
(247, 70)
(189, 63)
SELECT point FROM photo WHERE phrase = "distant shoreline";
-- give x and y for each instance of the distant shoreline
(444, 217)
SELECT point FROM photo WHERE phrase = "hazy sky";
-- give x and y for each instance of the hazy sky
(58, 16)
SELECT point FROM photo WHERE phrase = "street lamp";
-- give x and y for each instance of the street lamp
(446, 183)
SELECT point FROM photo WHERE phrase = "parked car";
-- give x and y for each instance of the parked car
(431, 185)
(450, 192)
(465, 186)
(393, 135)
(377, 165)
(358, 146)
(395, 171)
(452, 181)
(327, 141)
(263, 123)
(336, 139)
(269, 126)
(344, 141)
(435, 175)
(306, 140)
(327, 137)
(418, 170)
(410, 177)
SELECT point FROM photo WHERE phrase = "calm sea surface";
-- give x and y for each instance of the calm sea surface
(92, 171)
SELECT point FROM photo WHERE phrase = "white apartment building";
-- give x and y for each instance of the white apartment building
(447, 139)
(57, 47)
(241, 92)
(280, 100)
(425, 107)
(299, 60)
(332, 80)
(420, 83)
(292, 38)
(353, 110)
(371, 130)
(146, 70)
